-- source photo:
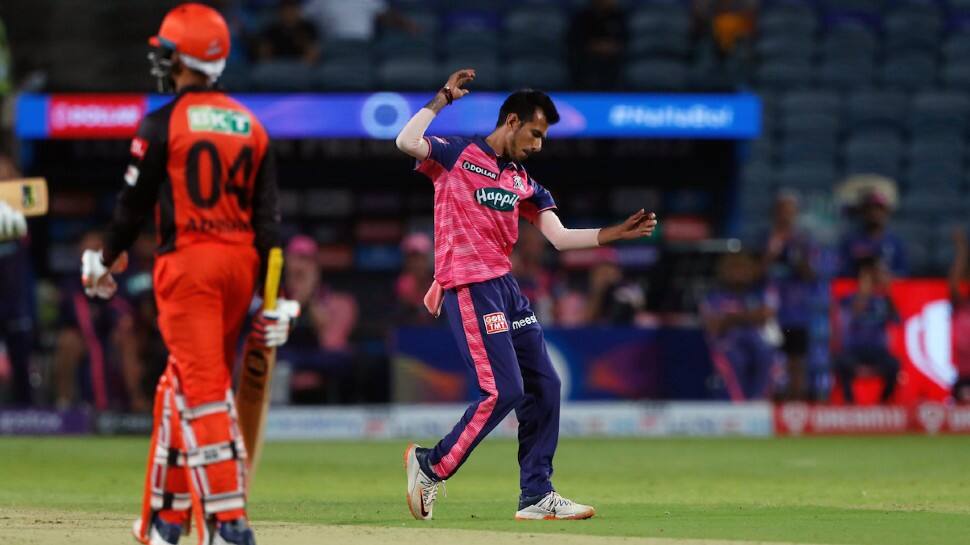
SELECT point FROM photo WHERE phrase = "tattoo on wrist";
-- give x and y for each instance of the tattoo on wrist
(437, 102)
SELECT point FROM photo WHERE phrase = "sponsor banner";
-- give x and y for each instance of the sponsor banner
(94, 116)
(44, 422)
(382, 115)
(123, 424)
(593, 364)
(614, 419)
(929, 418)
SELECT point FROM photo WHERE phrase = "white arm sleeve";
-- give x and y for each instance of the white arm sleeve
(411, 139)
(565, 239)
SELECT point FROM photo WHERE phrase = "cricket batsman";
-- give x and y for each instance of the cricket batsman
(480, 190)
(202, 165)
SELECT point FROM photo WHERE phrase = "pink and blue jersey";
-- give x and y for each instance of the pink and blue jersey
(478, 198)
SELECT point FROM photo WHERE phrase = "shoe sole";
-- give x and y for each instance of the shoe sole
(580, 516)
(407, 495)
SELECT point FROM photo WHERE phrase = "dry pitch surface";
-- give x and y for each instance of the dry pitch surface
(36, 527)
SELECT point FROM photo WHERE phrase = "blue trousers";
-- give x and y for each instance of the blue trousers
(501, 341)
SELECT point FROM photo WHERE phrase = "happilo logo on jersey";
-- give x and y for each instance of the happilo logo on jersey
(219, 120)
(496, 198)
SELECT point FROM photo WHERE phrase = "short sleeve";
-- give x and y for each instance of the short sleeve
(540, 201)
(443, 153)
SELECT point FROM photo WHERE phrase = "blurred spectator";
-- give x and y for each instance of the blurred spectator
(597, 40)
(862, 341)
(5, 65)
(788, 257)
(16, 302)
(87, 349)
(612, 301)
(319, 350)
(415, 279)
(533, 278)
(738, 316)
(355, 19)
(290, 36)
(961, 317)
(872, 239)
(141, 352)
(241, 27)
(729, 22)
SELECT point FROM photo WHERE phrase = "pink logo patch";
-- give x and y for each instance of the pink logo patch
(495, 323)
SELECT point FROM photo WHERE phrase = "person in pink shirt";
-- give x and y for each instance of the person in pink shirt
(481, 189)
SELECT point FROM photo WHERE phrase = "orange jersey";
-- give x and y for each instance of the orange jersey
(203, 163)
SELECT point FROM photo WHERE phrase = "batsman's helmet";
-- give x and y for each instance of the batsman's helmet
(200, 36)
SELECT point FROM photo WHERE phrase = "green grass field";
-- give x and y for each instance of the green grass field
(878, 491)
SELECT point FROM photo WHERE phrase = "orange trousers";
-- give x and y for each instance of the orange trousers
(197, 458)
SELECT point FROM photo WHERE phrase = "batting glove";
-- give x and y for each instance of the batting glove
(95, 276)
(272, 327)
(13, 224)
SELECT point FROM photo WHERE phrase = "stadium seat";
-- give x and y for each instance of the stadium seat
(956, 75)
(794, 47)
(781, 75)
(817, 124)
(537, 21)
(400, 46)
(802, 102)
(845, 73)
(855, 7)
(656, 75)
(937, 151)
(658, 44)
(781, 19)
(909, 72)
(472, 42)
(488, 71)
(912, 27)
(940, 110)
(280, 76)
(343, 75)
(877, 108)
(927, 174)
(409, 74)
(525, 46)
(849, 38)
(957, 46)
(798, 148)
(544, 75)
(809, 177)
(347, 50)
(872, 163)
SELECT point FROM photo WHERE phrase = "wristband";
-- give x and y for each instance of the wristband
(448, 96)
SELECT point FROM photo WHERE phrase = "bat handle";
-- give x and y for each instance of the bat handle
(274, 269)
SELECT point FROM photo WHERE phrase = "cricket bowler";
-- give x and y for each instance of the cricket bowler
(202, 165)
(481, 189)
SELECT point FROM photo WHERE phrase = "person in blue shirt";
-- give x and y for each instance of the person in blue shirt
(739, 319)
(789, 254)
(873, 239)
(863, 340)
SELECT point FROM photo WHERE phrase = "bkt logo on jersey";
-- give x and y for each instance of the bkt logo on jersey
(472, 167)
(209, 119)
(496, 199)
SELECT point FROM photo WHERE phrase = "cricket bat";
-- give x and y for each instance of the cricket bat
(27, 195)
(253, 393)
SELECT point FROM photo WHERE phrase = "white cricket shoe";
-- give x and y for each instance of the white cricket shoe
(552, 506)
(422, 489)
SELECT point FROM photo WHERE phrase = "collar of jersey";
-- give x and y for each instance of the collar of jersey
(501, 162)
